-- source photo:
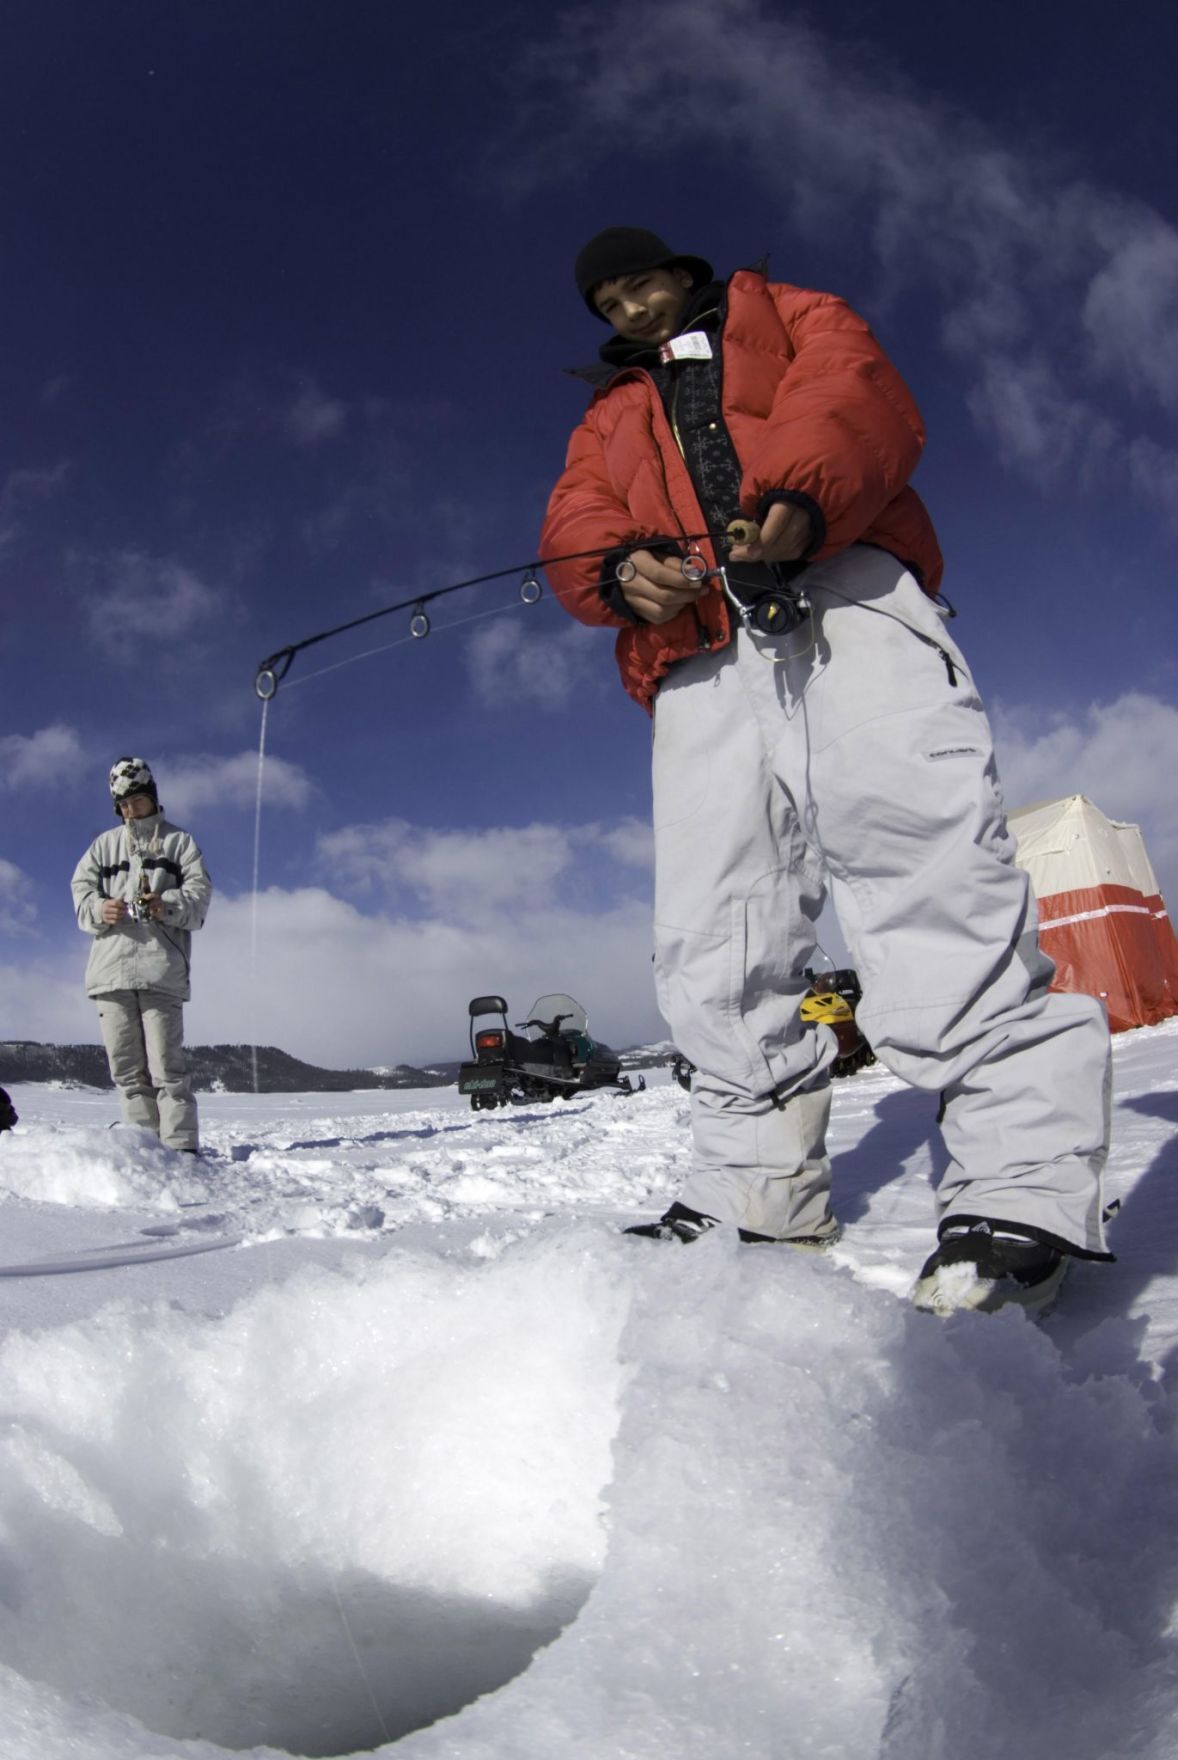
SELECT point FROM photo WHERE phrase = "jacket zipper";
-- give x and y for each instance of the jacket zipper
(672, 413)
(703, 637)
(946, 657)
(703, 640)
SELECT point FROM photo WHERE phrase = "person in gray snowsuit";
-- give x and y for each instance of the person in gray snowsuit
(140, 890)
(817, 730)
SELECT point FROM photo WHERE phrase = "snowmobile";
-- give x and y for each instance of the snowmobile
(830, 1001)
(548, 1056)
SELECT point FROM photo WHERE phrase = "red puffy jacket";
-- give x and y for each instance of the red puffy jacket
(812, 404)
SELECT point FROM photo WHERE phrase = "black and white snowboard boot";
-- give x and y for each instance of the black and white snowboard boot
(986, 1265)
(680, 1223)
(676, 1224)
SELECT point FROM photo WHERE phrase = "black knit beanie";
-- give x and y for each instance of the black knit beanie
(627, 250)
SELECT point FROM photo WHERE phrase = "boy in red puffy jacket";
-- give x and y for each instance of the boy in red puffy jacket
(816, 730)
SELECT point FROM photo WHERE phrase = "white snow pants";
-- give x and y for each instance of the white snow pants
(143, 1031)
(855, 754)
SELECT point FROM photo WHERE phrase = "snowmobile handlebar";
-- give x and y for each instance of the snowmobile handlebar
(551, 1028)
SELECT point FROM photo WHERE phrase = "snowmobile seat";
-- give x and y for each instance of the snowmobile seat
(487, 1005)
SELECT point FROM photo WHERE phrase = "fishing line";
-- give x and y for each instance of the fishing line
(359, 1660)
(254, 894)
(402, 642)
(338, 665)
(332, 1574)
(274, 669)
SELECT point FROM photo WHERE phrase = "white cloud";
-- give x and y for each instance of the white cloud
(287, 403)
(187, 785)
(51, 757)
(630, 842)
(18, 901)
(476, 873)
(33, 485)
(1153, 473)
(1057, 438)
(1022, 256)
(149, 593)
(509, 662)
(313, 416)
(22, 487)
(1123, 755)
(458, 873)
(1131, 313)
(343, 988)
(44, 1000)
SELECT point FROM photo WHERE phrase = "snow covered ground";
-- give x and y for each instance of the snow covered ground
(434, 1460)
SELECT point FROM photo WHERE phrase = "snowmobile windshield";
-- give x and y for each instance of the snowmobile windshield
(547, 1008)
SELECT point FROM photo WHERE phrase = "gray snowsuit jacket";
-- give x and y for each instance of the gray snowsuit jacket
(142, 855)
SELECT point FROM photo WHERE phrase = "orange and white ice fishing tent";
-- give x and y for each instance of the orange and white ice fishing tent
(1101, 915)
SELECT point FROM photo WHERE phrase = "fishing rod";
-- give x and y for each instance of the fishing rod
(274, 668)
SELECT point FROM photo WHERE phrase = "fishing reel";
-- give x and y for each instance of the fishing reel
(139, 908)
(773, 611)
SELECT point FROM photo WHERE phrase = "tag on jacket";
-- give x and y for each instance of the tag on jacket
(695, 346)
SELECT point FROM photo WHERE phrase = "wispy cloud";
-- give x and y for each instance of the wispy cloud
(24, 488)
(288, 403)
(18, 901)
(1062, 294)
(630, 842)
(143, 593)
(190, 784)
(43, 999)
(33, 485)
(471, 875)
(53, 757)
(509, 662)
(452, 872)
(313, 416)
(1131, 311)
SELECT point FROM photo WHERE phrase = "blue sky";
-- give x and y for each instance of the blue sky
(285, 300)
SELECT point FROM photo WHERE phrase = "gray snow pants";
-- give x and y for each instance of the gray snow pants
(855, 754)
(143, 1031)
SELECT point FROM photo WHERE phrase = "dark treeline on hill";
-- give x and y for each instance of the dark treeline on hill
(227, 1067)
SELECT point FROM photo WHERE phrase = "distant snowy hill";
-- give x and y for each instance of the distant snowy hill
(227, 1068)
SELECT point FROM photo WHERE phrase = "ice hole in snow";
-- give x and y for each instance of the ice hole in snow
(187, 1504)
